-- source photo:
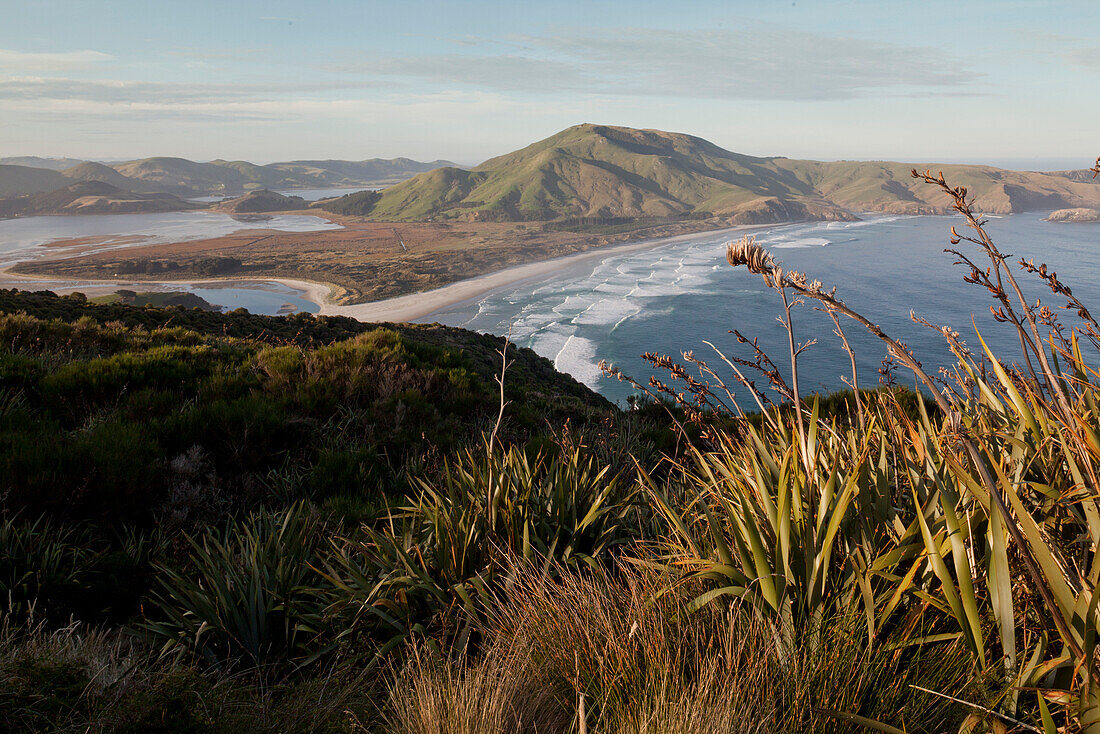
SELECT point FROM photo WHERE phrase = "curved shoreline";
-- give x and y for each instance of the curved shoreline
(417, 305)
(420, 305)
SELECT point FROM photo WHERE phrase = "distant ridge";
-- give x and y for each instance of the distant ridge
(90, 197)
(16, 180)
(92, 171)
(606, 173)
(34, 161)
(188, 178)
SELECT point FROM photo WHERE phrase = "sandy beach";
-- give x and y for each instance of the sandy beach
(420, 305)
(401, 308)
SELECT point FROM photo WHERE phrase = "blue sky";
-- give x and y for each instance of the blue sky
(923, 81)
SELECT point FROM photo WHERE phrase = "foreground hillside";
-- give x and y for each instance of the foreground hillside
(100, 400)
(221, 522)
(602, 172)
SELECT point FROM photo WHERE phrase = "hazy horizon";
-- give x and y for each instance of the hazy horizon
(1017, 164)
(988, 81)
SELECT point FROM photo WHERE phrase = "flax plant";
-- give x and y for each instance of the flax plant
(436, 556)
(250, 595)
(978, 522)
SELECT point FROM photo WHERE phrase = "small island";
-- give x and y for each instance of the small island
(261, 202)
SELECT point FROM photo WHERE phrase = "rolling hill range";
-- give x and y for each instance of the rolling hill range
(605, 173)
(182, 177)
(34, 161)
(92, 171)
(91, 197)
(15, 180)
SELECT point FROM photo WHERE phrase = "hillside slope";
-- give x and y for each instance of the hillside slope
(92, 171)
(16, 180)
(108, 398)
(90, 197)
(34, 161)
(604, 173)
(186, 178)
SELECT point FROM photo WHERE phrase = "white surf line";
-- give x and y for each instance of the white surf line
(424, 304)
(631, 315)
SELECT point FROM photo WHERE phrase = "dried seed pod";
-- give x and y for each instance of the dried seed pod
(746, 252)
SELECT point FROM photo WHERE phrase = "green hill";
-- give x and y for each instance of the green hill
(15, 180)
(92, 171)
(602, 172)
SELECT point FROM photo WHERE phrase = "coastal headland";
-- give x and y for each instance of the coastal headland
(448, 234)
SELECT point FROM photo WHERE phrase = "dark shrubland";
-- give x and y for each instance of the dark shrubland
(109, 418)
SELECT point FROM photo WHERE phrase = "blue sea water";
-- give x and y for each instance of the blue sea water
(675, 297)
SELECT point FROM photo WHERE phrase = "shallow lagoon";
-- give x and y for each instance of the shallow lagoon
(27, 238)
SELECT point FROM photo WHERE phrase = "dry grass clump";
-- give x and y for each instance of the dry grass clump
(623, 652)
(502, 691)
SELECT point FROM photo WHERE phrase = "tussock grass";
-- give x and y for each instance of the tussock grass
(84, 679)
(501, 691)
(645, 659)
(976, 522)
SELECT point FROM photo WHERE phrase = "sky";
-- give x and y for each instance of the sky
(1001, 82)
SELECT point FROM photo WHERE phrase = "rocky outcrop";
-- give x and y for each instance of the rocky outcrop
(1077, 215)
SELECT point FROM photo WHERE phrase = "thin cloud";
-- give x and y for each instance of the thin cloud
(28, 62)
(411, 110)
(234, 54)
(166, 93)
(767, 64)
(1085, 58)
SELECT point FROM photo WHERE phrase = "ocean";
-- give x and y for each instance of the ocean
(676, 297)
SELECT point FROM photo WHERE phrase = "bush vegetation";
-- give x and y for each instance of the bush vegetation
(217, 522)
